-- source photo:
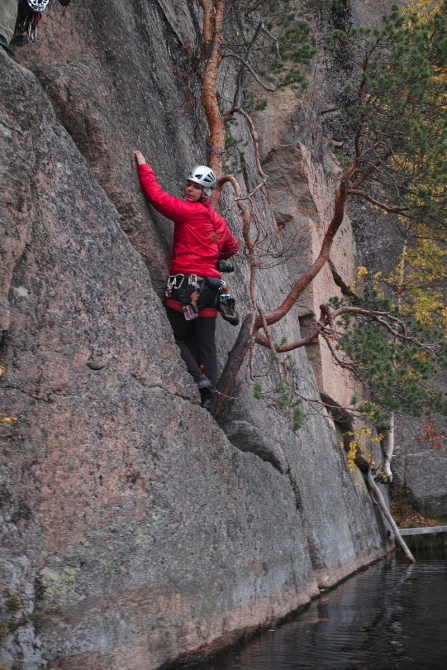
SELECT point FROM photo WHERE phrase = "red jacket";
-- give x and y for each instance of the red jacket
(201, 236)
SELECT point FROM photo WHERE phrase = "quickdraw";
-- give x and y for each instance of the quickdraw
(29, 15)
(192, 280)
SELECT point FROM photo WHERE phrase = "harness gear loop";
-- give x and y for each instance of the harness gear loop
(188, 295)
(192, 280)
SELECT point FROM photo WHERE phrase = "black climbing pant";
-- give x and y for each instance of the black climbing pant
(196, 341)
(196, 338)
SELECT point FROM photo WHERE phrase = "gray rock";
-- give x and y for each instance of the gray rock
(246, 437)
(147, 534)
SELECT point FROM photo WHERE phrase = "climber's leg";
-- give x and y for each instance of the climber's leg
(205, 328)
(179, 326)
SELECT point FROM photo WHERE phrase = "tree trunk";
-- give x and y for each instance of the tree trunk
(389, 449)
(234, 364)
(213, 13)
(389, 518)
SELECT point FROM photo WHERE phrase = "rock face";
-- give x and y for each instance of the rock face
(302, 200)
(421, 468)
(135, 530)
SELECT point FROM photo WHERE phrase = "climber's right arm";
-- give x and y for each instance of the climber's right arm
(173, 208)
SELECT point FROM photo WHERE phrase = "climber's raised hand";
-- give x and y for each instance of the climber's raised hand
(139, 157)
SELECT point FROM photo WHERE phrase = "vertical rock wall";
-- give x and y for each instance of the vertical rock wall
(134, 529)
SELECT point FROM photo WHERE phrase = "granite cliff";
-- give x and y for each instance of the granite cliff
(136, 531)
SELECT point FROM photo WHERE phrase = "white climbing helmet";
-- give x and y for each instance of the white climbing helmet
(38, 5)
(203, 175)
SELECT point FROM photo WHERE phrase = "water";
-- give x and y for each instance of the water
(392, 615)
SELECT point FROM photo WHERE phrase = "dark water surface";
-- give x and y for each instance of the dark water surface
(393, 615)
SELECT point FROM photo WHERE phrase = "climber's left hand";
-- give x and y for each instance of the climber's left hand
(140, 158)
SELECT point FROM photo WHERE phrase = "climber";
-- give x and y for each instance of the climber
(19, 19)
(202, 239)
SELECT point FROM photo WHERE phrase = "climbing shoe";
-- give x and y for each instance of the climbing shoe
(206, 398)
(204, 383)
(206, 394)
(228, 312)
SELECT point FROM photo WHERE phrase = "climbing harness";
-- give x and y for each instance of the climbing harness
(189, 290)
(173, 283)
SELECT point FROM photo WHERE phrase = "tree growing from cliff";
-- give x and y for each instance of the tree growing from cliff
(391, 115)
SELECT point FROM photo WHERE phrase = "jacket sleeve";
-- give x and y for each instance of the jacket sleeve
(228, 244)
(173, 208)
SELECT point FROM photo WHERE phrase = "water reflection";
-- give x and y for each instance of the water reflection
(393, 615)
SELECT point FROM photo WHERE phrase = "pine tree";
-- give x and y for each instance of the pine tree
(391, 114)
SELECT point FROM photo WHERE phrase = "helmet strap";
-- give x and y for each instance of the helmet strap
(206, 193)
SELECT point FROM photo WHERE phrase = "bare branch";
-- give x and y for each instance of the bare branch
(250, 69)
(283, 348)
(240, 77)
(246, 222)
(234, 362)
(341, 363)
(254, 136)
(403, 211)
(388, 516)
(272, 37)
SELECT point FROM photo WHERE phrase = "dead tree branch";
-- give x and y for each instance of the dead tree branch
(241, 74)
(272, 89)
(388, 516)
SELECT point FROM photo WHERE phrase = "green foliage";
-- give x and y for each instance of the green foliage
(393, 123)
(9, 622)
(397, 371)
(283, 399)
(257, 391)
(234, 153)
(272, 38)
(13, 605)
(252, 104)
(297, 418)
(393, 113)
